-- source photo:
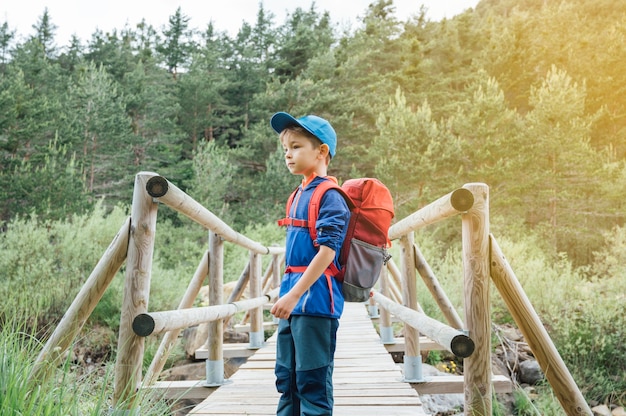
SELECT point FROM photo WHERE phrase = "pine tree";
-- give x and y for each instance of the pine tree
(177, 44)
(98, 129)
(558, 163)
(6, 37)
(44, 34)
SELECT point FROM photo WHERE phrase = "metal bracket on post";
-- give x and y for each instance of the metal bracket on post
(215, 374)
(257, 340)
(413, 370)
(373, 311)
(386, 335)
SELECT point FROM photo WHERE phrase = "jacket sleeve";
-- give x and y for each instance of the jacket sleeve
(332, 221)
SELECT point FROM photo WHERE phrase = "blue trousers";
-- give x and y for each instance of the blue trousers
(305, 352)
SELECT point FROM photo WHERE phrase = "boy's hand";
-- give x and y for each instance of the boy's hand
(283, 306)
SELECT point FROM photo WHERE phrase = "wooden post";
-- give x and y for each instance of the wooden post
(171, 337)
(372, 308)
(266, 285)
(215, 362)
(273, 273)
(386, 329)
(82, 306)
(436, 290)
(412, 356)
(394, 281)
(242, 282)
(277, 263)
(130, 347)
(548, 357)
(276, 270)
(257, 337)
(477, 367)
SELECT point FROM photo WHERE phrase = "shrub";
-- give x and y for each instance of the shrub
(45, 263)
(590, 339)
(583, 315)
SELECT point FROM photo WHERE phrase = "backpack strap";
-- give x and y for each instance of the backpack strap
(316, 202)
(283, 222)
(314, 208)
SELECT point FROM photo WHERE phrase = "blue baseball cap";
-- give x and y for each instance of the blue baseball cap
(315, 125)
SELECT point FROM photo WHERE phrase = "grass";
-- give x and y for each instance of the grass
(71, 389)
(63, 394)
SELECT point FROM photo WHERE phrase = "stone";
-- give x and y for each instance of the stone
(602, 410)
(530, 372)
(442, 404)
(618, 411)
(512, 333)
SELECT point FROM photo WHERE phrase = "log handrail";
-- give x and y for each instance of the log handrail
(451, 339)
(454, 203)
(169, 194)
(146, 324)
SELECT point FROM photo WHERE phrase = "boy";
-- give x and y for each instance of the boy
(311, 300)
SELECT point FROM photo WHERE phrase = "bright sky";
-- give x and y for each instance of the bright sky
(83, 17)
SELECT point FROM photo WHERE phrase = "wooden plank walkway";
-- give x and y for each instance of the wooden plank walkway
(367, 381)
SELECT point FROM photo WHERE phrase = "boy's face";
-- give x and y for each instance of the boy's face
(301, 155)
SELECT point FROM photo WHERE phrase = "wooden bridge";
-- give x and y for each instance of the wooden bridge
(366, 379)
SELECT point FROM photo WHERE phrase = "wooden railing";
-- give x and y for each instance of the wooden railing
(482, 261)
(134, 244)
(470, 340)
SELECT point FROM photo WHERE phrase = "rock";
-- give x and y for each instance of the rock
(619, 411)
(602, 410)
(498, 366)
(191, 371)
(228, 290)
(530, 372)
(511, 333)
(431, 371)
(442, 404)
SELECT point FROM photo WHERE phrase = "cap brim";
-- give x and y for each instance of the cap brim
(280, 121)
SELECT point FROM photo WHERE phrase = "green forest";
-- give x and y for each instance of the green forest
(527, 96)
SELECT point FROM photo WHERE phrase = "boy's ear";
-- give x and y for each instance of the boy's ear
(324, 149)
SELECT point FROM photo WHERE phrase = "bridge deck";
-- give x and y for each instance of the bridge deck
(366, 380)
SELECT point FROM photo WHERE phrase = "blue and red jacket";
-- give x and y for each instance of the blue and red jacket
(324, 297)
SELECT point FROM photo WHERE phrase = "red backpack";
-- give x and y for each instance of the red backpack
(364, 250)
